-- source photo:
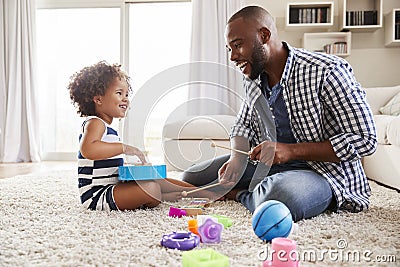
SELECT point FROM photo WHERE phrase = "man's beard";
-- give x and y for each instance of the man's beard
(258, 58)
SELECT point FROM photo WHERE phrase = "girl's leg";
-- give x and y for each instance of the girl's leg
(133, 195)
(169, 185)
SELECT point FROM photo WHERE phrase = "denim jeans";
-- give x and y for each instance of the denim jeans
(303, 191)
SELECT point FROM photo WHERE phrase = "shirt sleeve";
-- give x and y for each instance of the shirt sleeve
(246, 125)
(347, 100)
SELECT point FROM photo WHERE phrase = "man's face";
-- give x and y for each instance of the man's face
(245, 47)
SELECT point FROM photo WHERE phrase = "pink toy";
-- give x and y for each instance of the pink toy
(284, 253)
(210, 231)
(175, 212)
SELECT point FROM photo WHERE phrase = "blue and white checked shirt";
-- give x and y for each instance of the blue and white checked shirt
(324, 101)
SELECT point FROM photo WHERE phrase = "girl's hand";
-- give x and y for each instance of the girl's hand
(134, 151)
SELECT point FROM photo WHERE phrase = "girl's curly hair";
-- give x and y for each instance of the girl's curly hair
(93, 81)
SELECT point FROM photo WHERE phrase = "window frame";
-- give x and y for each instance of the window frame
(124, 39)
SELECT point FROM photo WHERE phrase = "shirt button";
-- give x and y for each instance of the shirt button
(273, 116)
(271, 109)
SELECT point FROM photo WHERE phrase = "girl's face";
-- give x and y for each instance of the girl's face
(114, 103)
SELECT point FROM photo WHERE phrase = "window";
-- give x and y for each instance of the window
(159, 38)
(69, 38)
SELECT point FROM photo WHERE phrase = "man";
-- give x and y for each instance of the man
(324, 125)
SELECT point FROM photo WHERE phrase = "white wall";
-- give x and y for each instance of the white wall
(373, 63)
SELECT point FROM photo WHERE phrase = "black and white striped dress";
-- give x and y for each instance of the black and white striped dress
(97, 178)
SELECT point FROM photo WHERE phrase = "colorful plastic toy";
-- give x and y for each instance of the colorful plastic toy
(204, 258)
(210, 231)
(193, 227)
(285, 254)
(203, 202)
(180, 240)
(272, 219)
(202, 219)
(225, 221)
(190, 211)
(142, 172)
(175, 212)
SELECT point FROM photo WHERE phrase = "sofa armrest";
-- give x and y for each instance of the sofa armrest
(377, 97)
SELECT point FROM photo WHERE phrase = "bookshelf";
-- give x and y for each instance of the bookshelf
(361, 15)
(312, 14)
(392, 28)
(337, 43)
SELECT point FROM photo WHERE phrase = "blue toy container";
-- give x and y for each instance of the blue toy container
(142, 172)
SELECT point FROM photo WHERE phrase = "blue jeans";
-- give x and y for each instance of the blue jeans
(303, 191)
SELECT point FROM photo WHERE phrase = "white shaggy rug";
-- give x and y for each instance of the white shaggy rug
(43, 224)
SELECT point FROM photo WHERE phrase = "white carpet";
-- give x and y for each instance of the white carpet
(43, 224)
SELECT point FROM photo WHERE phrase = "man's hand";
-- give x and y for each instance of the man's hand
(232, 170)
(271, 153)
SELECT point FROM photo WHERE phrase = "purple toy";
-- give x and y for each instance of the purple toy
(175, 212)
(210, 231)
(180, 240)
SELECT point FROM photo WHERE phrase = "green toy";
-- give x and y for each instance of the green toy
(225, 221)
(204, 258)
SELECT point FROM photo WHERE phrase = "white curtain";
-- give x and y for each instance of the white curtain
(19, 111)
(208, 45)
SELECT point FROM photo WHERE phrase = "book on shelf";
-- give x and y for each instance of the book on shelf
(397, 25)
(336, 48)
(309, 15)
(361, 18)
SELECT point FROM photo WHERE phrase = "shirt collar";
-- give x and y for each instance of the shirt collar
(289, 63)
(253, 87)
(288, 66)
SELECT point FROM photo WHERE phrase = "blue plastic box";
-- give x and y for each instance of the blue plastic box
(142, 172)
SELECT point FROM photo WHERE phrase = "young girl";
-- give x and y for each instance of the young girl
(100, 92)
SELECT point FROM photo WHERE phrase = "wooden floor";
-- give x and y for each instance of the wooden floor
(13, 169)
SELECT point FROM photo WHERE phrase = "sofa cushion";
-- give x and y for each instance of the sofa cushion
(393, 131)
(377, 97)
(382, 122)
(200, 127)
(392, 107)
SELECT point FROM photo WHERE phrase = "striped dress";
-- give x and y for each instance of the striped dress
(97, 178)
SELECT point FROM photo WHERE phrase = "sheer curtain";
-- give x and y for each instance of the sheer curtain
(19, 111)
(208, 45)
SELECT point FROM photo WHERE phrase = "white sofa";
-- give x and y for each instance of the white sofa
(384, 165)
(187, 141)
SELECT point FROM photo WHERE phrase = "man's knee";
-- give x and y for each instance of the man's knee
(192, 177)
(305, 194)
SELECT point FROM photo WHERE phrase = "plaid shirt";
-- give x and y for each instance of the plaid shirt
(324, 101)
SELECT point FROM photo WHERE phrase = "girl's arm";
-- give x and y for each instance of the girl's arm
(92, 147)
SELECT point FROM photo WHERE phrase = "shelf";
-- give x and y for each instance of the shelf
(339, 41)
(392, 28)
(315, 14)
(361, 15)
